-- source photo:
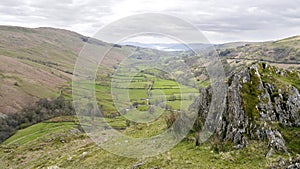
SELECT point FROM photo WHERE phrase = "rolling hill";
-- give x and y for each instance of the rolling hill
(259, 127)
(38, 63)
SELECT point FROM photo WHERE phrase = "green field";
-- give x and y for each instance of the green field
(39, 130)
(41, 146)
(130, 91)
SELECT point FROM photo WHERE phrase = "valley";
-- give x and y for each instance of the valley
(140, 92)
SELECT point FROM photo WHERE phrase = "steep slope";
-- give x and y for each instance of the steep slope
(38, 63)
(34, 63)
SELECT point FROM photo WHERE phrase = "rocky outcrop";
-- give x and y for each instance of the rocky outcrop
(255, 103)
(291, 163)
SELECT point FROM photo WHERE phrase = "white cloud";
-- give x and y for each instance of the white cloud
(221, 21)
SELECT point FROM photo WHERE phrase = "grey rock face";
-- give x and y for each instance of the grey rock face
(289, 164)
(275, 106)
(287, 108)
(275, 140)
(270, 153)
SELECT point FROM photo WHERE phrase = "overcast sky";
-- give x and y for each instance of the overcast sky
(220, 20)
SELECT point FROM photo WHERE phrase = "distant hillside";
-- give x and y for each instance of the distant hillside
(169, 46)
(38, 63)
(285, 52)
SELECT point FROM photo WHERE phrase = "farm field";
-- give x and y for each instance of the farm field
(141, 92)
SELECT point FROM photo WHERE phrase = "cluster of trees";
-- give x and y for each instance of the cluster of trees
(42, 110)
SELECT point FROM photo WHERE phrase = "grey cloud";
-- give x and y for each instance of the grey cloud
(222, 20)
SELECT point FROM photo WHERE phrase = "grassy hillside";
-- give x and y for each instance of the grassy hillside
(38, 63)
(59, 143)
(283, 53)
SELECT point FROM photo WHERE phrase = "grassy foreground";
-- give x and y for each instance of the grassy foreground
(58, 142)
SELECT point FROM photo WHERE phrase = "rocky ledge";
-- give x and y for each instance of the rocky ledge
(262, 103)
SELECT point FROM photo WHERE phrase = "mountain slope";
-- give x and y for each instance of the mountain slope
(261, 117)
(38, 63)
(285, 52)
(255, 132)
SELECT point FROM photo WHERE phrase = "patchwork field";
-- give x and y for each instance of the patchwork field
(143, 93)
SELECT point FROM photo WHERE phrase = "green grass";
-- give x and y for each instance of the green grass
(143, 107)
(291, 77)
(165, 84)
(116, 122)
(144, 130)
(249, 94)
(136, 89)
(143, 116)
(40, 154)
(203, 84)
(165, 91)
(33, 132)
(180, 104)
(127, 90)
(291, 135)
(137, 94)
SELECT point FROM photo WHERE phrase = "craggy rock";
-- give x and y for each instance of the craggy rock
(289, 164)
(274, 106)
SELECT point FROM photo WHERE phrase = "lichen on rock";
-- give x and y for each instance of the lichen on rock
(256, 105)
